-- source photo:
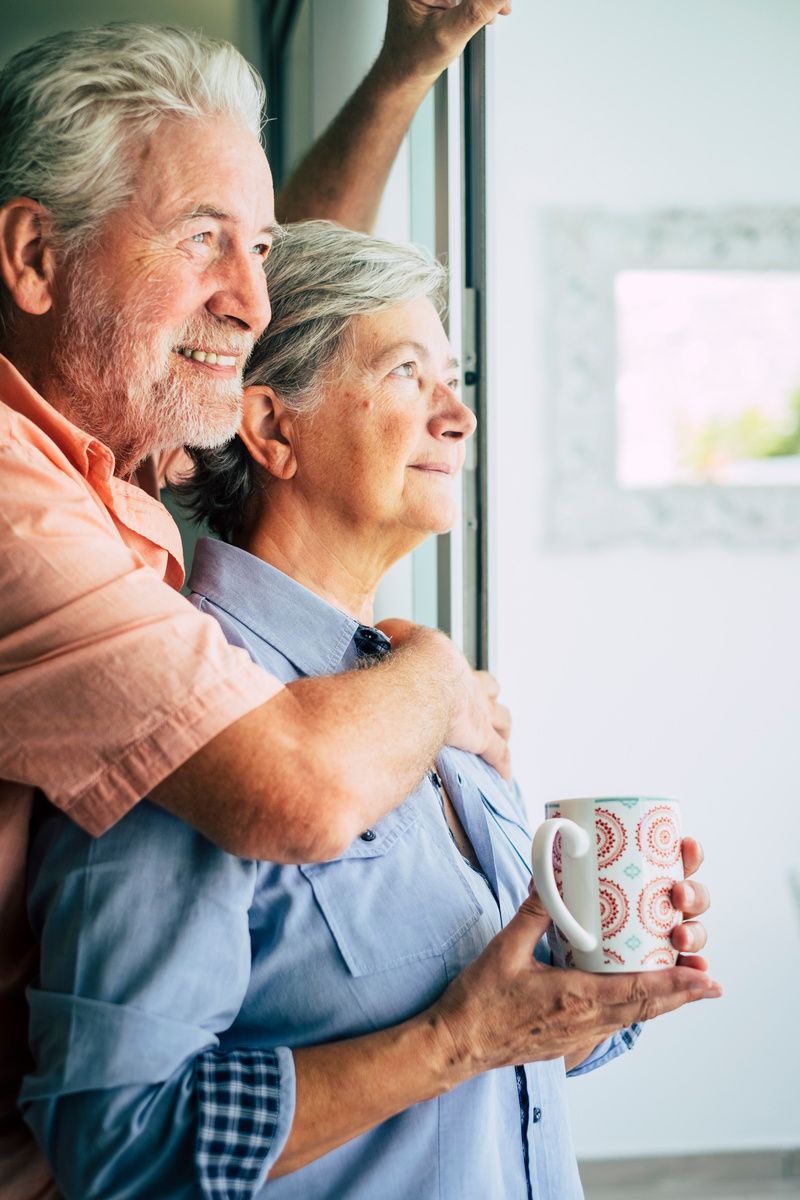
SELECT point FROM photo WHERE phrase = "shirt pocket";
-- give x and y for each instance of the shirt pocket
(394, 899)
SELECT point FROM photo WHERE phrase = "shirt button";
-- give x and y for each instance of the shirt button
(537, 1116)
(368, 835)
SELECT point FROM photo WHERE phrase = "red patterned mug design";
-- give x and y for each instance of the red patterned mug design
(658, 836)
(612, 838)
(614, 909)
(655, 908)
(661, 956)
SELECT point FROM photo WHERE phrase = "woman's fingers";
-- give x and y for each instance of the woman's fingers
(689, 937)
(691, 899)
(695, 961)
(649, 994)
(692, 855)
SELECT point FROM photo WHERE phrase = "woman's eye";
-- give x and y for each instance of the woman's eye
(405, 370)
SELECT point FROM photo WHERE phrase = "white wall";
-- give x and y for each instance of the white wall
(674, 673)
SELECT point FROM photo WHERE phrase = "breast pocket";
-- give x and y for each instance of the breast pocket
(395, 899)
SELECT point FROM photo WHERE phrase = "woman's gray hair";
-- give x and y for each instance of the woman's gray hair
(320, 277)
(71, 104)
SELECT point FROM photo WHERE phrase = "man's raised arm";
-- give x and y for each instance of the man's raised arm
(343, 175)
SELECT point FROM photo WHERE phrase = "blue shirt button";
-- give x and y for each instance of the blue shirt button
(368, 835)
(537, 1116)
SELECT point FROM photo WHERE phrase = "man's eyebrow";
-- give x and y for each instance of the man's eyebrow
(273, 229)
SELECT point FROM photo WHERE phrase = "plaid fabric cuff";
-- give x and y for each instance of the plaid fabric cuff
(241, 1128)
(608, 1050)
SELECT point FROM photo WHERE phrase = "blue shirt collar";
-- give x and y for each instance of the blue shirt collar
(307, 630)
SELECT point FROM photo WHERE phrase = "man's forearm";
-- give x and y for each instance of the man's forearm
(300, 777)
(343, 176)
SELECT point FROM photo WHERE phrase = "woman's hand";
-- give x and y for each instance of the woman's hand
(506, 1007)
(691, 899)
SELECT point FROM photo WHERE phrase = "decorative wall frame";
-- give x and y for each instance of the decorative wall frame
(584, 250)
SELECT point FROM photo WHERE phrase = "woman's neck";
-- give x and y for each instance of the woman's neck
(313, 549)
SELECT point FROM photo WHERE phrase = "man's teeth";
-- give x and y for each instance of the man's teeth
(206, 356)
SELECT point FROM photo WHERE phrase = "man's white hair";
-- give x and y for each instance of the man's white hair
(73, 107)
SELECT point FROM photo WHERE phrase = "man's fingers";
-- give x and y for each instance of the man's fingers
(691, 899)
(397, 630)
(497, 755)
(500, 715)
(501, 720)
(489, 684)
(472, 15)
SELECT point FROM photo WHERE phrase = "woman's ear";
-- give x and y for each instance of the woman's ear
(27, 260)
(267, 431)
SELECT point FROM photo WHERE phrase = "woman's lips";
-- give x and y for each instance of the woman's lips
(435, 468)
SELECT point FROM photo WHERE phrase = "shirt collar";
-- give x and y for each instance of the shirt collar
(133, 506)
(307, 630)
(86, 454)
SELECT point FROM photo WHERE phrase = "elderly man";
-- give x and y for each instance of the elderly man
(135, 215)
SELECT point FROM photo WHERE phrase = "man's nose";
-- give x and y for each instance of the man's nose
(241, 295)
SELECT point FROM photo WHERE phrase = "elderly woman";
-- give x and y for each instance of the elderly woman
(208, 1026)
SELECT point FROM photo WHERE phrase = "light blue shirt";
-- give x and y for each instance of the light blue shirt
(167, 963)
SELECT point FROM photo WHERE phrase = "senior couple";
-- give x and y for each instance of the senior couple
(285, 939)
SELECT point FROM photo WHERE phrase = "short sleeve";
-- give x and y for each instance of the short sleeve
(109, 678)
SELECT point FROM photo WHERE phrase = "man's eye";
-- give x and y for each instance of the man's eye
(200, 238)
(262, 249)
(406, 370)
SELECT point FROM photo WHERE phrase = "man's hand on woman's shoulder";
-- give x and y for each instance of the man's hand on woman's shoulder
(479, 723)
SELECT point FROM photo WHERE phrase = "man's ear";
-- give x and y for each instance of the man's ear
(267, 431)
(27, 260)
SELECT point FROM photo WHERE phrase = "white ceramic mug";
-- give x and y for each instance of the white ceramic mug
(604, 869)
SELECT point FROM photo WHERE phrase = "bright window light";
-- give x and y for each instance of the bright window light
(708, 378)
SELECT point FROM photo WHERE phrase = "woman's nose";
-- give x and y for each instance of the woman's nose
(452, 418)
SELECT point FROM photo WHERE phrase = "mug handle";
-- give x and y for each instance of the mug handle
(575, 842)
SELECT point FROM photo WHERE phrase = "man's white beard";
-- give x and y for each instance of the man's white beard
(127, 386)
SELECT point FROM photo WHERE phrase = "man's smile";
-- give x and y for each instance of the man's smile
(209, 357)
